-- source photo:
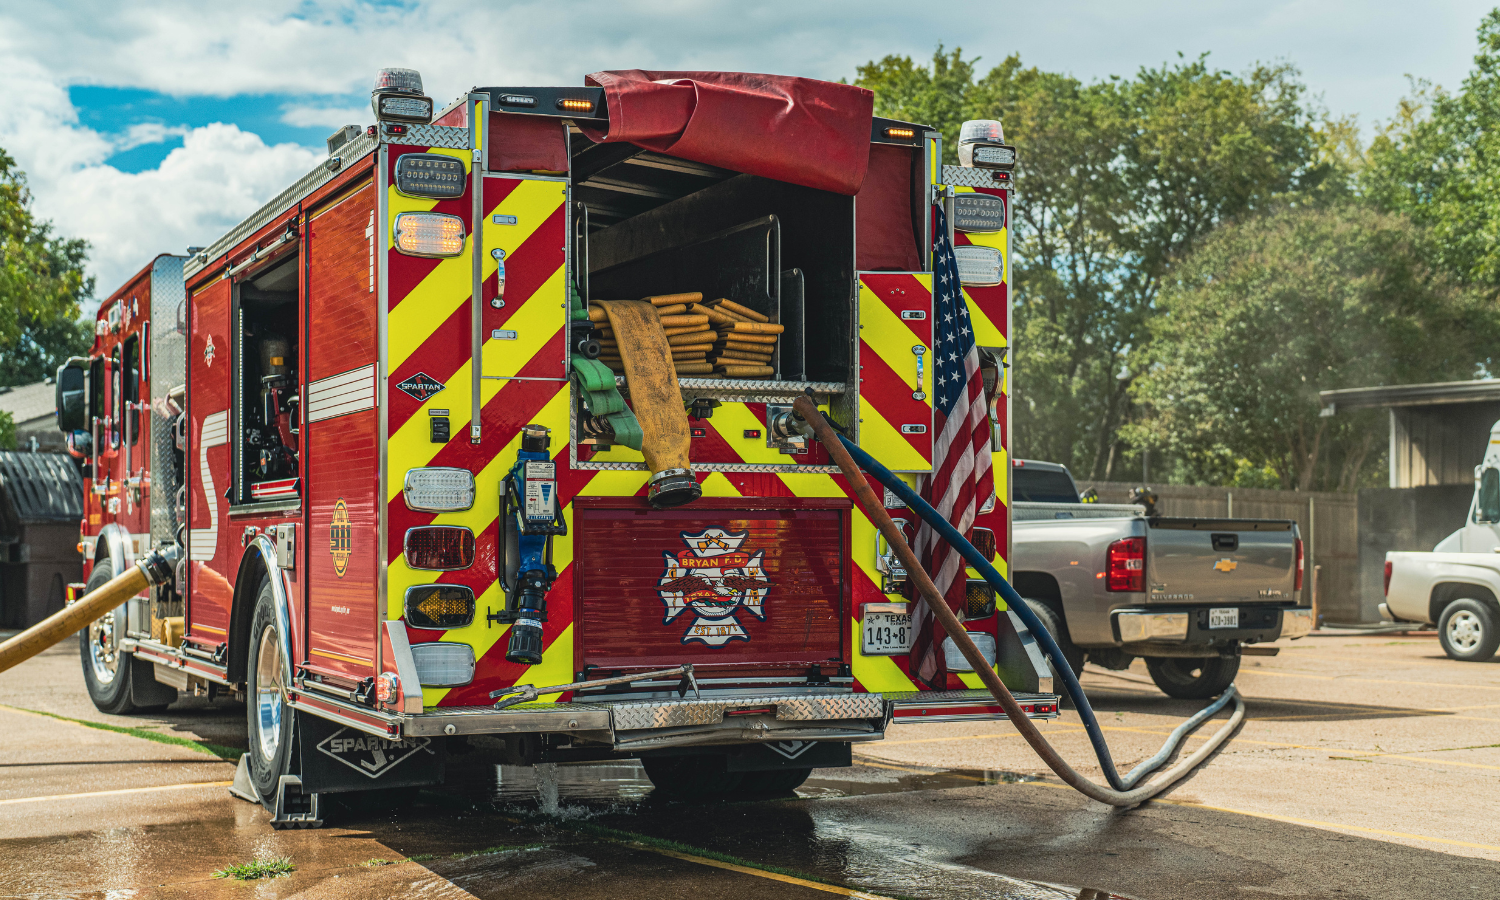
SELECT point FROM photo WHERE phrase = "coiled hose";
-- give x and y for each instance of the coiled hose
(1122, 791)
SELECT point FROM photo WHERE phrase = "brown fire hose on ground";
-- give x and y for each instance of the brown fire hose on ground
(155, 568)
(875, 508)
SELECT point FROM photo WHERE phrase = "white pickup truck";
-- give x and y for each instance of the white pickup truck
(1456, 585)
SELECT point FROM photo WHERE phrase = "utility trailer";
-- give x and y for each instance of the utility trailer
(363, 414)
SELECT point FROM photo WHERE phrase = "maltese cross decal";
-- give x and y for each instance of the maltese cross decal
(717, 581)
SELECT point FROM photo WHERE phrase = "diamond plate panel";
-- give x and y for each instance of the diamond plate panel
(168, 362)
(445, 136)
(966, 177)
(643, 714)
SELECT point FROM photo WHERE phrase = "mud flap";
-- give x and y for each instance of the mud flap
(775, 755)
(337, 759)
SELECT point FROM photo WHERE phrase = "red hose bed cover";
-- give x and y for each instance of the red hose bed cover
(812, 133)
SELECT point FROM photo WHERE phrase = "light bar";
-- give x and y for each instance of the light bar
(978, 266)
(995, 157)
(439, 606)
(443, 663)
(402, 108)
(901, 132)
(575, 105)
(439, 547)
(438, 489)
(429, 234)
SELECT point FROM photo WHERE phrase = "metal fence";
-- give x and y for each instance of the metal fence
(1328, 522)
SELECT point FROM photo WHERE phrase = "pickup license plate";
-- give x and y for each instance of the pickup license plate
(887, 629)
(1224, 617)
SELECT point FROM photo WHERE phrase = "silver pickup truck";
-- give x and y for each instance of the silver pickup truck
(1115, 581)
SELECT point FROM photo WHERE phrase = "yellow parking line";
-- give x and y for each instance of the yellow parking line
(762, 873)
(140, 790)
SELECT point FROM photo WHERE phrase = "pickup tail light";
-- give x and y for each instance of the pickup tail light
(1386, 589)
(1125, 565)
(1297, 587)
(444, 547)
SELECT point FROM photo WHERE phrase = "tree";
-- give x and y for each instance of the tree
(42, 284)
(1116, 180)
(1438, 161)
(1270, 311)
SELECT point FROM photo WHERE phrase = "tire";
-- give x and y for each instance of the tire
(268, 718)
(691, 777)
(1192, 678)
(117, 682)
(774, 782)
(1469, 630)
(1059, 631)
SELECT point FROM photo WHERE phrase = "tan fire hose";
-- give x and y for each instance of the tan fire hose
(646, 357)
(155, 568)
(875, 508)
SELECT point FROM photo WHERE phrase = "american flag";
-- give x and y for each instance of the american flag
(962, 478)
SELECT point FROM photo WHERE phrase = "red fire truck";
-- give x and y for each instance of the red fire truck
(413, 514)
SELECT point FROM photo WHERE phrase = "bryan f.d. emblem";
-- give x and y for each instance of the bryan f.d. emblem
(714, 579)
(340, 540)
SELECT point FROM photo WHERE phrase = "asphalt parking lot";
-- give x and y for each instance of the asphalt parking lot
(1369, 766)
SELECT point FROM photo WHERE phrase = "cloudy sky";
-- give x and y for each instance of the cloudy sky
(145, 127)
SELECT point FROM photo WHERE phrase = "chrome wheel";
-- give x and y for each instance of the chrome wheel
(1465, 631)
(269, 699)
(104, 648)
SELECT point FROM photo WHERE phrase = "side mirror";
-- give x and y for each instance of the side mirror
(72, 396)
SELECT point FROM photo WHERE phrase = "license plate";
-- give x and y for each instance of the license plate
(887, 629)
(1224, 618)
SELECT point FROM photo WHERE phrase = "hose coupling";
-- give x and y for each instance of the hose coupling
(158, 565)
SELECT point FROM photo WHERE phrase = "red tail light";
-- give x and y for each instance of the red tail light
(1125, 565)
(1386, 590)
(439, 547)
(983, 540)
(1298, 585)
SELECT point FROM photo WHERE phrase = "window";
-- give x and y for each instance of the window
(1487, 507)
(131, 388)
(1035, 485)
(265, 386)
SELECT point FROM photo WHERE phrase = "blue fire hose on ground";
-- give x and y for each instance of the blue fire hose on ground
(1122, 791)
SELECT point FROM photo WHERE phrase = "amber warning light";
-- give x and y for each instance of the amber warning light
(574, 105)
(429, 234)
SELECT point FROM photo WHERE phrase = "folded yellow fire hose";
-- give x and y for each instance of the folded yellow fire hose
(646, 358)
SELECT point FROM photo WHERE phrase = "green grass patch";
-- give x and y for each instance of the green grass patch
(469, 854)
(372, 863)
(229, 753)
(274, 867)
(422, 857)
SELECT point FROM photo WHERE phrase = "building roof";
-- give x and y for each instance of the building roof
(38, 487)
(1441, 393)
(28, 402)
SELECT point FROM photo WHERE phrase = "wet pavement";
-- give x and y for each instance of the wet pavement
(937, 811)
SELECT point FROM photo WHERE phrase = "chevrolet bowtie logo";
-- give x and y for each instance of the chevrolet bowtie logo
(1225, 565)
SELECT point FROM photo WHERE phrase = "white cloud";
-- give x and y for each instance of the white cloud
(1353, 52)
(325, 116)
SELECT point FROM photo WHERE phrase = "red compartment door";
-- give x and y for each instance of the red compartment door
(749, 584)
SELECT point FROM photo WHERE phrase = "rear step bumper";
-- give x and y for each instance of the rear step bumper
(650, 724)
(965, 706)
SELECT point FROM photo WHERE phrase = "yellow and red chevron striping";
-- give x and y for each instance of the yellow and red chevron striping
(887, 397)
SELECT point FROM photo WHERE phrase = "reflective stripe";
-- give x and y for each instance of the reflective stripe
(203, 543)
(341, 394)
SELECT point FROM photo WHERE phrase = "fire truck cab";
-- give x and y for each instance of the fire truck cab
(424, 509)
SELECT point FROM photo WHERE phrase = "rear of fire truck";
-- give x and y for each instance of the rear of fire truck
(489, 438)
